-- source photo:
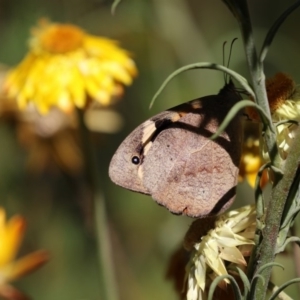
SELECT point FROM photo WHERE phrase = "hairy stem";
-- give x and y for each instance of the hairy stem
(279, 196)
(264, 252)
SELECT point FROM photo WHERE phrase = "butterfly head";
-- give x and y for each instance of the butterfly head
(126, 166)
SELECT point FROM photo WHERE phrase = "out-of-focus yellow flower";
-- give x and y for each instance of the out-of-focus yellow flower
(67, 67)
(52, 140)
(251, 162)
(11, 235)
(230, 240)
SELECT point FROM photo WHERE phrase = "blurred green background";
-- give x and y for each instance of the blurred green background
(162, 35)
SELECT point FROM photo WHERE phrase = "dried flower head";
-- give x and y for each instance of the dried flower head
(284, 100)
(67, 68)
(229, 241)
(11, 235)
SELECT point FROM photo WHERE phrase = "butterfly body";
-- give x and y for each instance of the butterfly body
(172, 158)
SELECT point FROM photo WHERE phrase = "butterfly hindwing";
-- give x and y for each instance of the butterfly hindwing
(172, 158)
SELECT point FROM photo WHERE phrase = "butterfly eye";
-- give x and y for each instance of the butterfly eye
(135, 160)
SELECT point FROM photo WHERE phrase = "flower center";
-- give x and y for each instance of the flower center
(61, 38)
(280, 87)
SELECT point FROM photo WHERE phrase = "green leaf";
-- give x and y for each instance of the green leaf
(259, 276)
(286, 121)
(292, 208)
(205, 65)
(245, 280)
(253, 283)
(258, 192)
(293, 202)
(291, 215)
(234, 286)
(292, 239)
(268, 265)
(273, 30)
(282, 287)
(114, 6)
(238, 9)
(234, 110)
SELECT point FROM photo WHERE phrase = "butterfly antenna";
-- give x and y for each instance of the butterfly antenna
(231, 47)
(224, 74)
(242, 91)
(229, 57)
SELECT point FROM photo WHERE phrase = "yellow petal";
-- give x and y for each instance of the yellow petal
(200, 272)
(213, 259)
(8, 292)
(2, 219)
(193, 289)
(76, 89)
(67, 67)
(117, 72)
(25, 265)
(11, 239)
(232, 254)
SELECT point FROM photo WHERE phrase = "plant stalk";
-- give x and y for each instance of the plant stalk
(107, 277)
(276, 205)
(264, 252)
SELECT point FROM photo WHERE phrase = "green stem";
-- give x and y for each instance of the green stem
(108, 284)
(278, 199)
(264, 252)
(239, 8)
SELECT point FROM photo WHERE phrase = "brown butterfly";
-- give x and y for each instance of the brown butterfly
(172, 158)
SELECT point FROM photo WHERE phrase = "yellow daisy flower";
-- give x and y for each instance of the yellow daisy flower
(68, 68)
(11, 235)
(230, 240)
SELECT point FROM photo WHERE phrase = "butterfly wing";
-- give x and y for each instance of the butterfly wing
(126, 166)
(172, 158)
(195, 175)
